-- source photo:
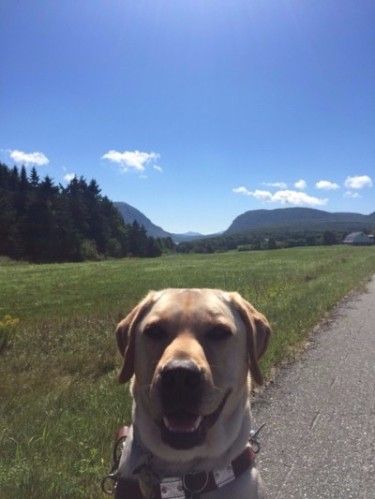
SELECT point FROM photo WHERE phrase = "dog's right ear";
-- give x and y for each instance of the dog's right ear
(125, 336)
(258, 333)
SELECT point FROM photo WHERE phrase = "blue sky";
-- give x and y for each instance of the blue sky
(194, 111)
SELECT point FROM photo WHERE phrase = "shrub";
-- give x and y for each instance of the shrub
(7, 325)
(114, 248)
(89, 251)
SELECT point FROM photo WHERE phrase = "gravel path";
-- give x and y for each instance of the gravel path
(319, 440)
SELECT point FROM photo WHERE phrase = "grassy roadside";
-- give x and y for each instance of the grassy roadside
(60, 402)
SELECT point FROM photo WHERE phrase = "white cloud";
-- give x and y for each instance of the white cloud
(278, 185)
(352, 195)
(136, 160)
(300, 184)
(158, 168)
(258, 194)
(69, 176)
(327, 185)
(283, 197)
(358, 182)
(241, 190)
(262, 195)
(297, 198)
(28, 158)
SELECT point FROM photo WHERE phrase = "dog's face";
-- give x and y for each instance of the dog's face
(191, 351)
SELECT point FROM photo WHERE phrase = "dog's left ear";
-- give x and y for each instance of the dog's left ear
(258, 334)
(125, 336)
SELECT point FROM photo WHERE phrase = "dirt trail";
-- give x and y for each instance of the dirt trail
(319, 440)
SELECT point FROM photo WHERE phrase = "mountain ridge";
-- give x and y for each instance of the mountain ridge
(291, 218)
(294, 217)
(130, 214)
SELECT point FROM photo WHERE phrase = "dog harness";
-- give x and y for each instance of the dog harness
(189, 486)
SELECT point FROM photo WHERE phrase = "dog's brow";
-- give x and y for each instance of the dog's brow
(153, 321)
(221, 321)
(216, 314)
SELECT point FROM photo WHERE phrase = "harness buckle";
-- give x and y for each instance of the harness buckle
(109, 483)
(253, 439)
(193, 488)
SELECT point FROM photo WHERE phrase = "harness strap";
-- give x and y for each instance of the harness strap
(191, 485)
(128, 489)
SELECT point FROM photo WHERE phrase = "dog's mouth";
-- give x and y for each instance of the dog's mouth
(182, 422)
(184, 430)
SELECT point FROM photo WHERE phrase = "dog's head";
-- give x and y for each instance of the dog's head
(190, 351)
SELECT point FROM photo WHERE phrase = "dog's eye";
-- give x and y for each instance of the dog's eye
(219, 332)
(155, 332)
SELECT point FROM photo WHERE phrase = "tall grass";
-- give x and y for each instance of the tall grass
(60, 402)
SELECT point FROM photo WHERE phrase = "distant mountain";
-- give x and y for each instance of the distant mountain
(292, 219)
(299, 219)
(191, 233)
(187, 236)
(129, 214)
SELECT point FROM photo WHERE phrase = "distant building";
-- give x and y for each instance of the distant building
(358, 238)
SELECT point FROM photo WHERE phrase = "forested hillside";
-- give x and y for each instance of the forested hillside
(131, 214)
(300, 219)
(283, 228)
(43, 222)
(271, 238)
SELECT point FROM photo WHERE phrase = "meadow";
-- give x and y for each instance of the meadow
(60, 401)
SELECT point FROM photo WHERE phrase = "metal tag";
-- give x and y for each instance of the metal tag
(224, 476)
(171, 488)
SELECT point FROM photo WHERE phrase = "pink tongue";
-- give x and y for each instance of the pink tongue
(183, 422)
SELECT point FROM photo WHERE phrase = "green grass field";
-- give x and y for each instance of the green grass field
(60, 402)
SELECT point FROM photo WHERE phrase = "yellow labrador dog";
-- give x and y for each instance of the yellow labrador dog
(192, 355)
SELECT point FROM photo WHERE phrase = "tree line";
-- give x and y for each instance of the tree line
(44, 222)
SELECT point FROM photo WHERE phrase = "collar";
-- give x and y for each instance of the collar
(203, 482)
(191, 485)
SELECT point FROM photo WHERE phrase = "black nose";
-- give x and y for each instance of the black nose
(180, 375)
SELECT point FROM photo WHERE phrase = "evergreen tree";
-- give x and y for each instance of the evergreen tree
(34, 177)
(42, 222)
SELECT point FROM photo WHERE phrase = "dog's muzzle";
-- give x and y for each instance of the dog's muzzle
(181, 386)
